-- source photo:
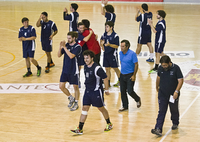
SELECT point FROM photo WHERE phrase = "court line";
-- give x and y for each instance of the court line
(11, 60)
(11, 65)
(180, 117)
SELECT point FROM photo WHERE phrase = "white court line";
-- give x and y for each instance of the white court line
(9, 30)
(180, 117)
(11, 65)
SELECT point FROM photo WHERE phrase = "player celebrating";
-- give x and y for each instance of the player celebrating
(110, 43)
(27, 35)
(145, 31)
(108, 10)
(72, 18)
(70, 72)
(94, 91)
(48, 31)
(160, 38)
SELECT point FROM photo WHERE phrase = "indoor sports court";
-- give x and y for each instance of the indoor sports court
(33, 109)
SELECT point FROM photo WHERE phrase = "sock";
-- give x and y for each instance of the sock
(81, 125)
(108, 121)
(38, 67)
(151, 55)
(156, 66)
(76, 101)
(29, 69)
(51, 61)
(48, 64)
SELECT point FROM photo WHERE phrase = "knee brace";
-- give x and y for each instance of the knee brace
(84, 112)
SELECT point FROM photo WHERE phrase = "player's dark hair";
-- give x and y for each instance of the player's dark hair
(127, 43)
(109, 23)
(109, 8)
(89, 52)
(74, 6)
(165, 59)
(145, 6)
(73, 34)
(161, 13)
(80, 24)
(86, 23)
(24, 19)
(45, 13)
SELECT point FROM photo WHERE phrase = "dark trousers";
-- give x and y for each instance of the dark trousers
(97, 58)
(163, 105)
(127, 85)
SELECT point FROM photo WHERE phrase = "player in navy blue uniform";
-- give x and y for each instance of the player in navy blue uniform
(160, 39)
(48, 31)
(110, 44)
(70, 71)
(108, 10)
(72, 18)
(27, 35)
(168, 84)
(94, 94)
(144, 31)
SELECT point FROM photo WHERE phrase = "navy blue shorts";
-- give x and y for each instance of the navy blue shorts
(144, 39)
(27, 54)
(47, 45)
(81, 61)
(110, 60)
(72, 79)
(94, 98)
(159, 47)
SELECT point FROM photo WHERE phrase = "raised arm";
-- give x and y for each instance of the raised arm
(38, 24)
(62, 44)
(137, 14)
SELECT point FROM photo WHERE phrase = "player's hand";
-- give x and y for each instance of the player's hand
(150, 22)
(96, 36)
(41, 16)
(175, 96)
(107, 93)
(133, 78)
(138, 10)
(65, 10)
(107, 44)
(62, 44)
(51, 37)
(91, 31)
(20, 39)
(23, 38)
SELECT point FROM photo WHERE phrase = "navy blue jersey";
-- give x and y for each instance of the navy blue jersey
(70, 66)
(110, 17)
(79, 39)
(144, 28)
(94, 76)
(161, 32)
(73, 20)
(46, 29)
(28, 45)
(112, 39)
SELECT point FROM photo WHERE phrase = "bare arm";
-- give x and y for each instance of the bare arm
(71, 56)
(25, 39)
(38, 24)
(53, 34)
(102, 44)
(88, 36)
(133, 77)
(157, 83)
(137, 14)
(106, 85)
(62, 44)
(150, 22)
(178, 88)
(111, 45)
(103, 4)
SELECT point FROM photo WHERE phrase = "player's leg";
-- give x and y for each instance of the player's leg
(174, 114)
(108, 73)
(117, 71)
(48, 61)
(151, 52)
(139, 48)
(104, 111)
(77, 94)
(83, 117)
(36, 64)
(28, 65)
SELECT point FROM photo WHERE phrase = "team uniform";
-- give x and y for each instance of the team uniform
(110, 58)
(73, 20)
(144, 29)
(110, 17)
(70, 71)
(160, 36)
(46, 31)
(29, 45)
(84, 47)
(94, 94)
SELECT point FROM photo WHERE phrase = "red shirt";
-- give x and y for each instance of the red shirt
(92, 43)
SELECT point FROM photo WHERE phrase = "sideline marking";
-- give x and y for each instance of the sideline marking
(180, 117)
(10, 61)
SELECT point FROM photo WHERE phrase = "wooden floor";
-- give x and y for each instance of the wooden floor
(45, 117)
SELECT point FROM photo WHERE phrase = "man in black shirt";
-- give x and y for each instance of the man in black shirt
(168, 84)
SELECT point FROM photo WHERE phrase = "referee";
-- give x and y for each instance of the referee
(168, 84)
(129, 67)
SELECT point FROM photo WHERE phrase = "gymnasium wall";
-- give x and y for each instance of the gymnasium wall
(182, 1)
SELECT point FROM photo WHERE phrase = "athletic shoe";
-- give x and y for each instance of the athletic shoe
(77, 131)
(150, 60)
(139, 104)
(28, 74)
(122, 109)
(174, 127)
(108, 127)
(153, 71)
(71, 101)
(39, 72)
(51, 65)
(117, 84)
(74, 107)
(47, 69)
(156, 131)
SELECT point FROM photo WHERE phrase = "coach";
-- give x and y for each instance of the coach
(168, 84)
(129, 67)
